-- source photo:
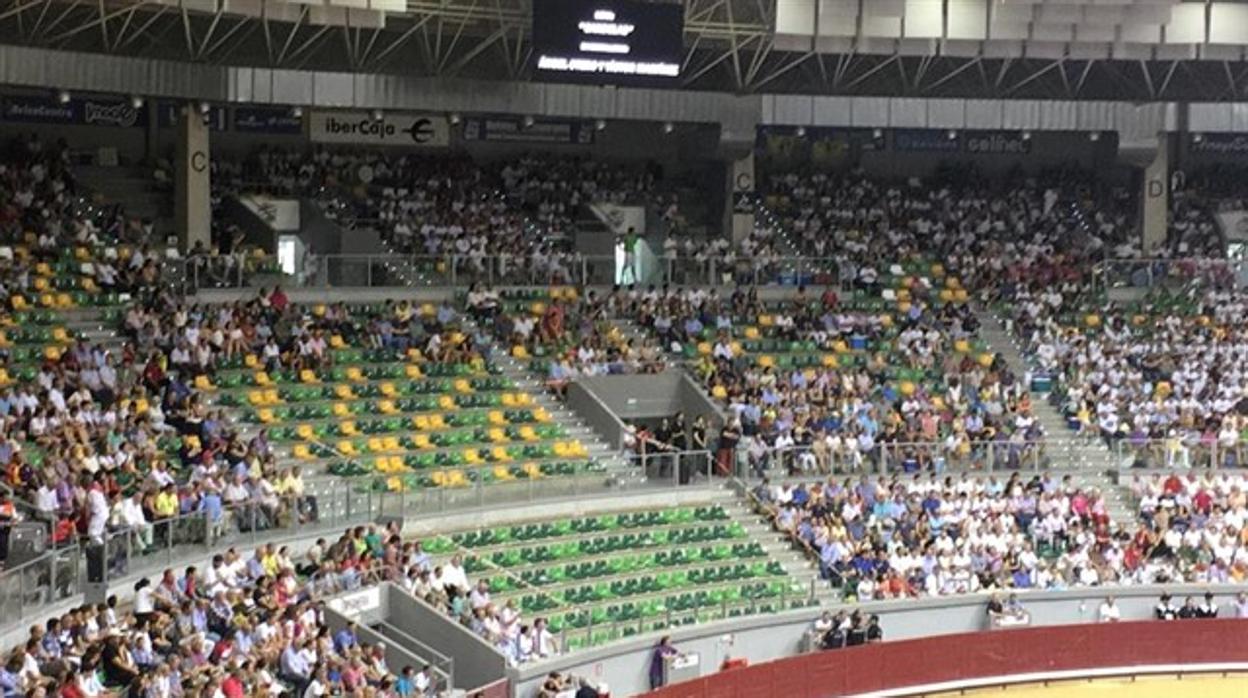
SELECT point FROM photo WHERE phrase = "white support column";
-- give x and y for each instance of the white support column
(1156, 197)
(741, 196)
(193, 212)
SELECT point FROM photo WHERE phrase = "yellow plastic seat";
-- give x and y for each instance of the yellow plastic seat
(471, 456)
(256, 397)
(532, 470)
(305, 432)
(341, 410)
(437, 421)
(272, 397)
(343, 391)
(767, 361)
(447, 402)
(52, 353)
(302, 452)
(497, 435)
(390, 444)
(261, 378)
(347, 448)
(519, 352)
(355, 375)
(347, 428)
(413, 372)
(528, 434)
(422, 441)
(499, 453)
(336, 342)
(508, 399)
(266, 416)
(497, 418)
(375, 445)
(387, 389)
(502, 473)
(421, 422)
(5, 379)
(204, 383)
(463, 386)
(387, 407)
(307, 375)
(251, 361)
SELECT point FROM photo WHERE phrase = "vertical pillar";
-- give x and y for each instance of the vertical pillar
(741, 197)
(1156, 197)
(192, 204)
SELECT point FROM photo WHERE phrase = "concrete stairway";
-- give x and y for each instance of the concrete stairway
(89, 324)
(135, 190)
(1086, 458)
(576, 428)
(795, 562)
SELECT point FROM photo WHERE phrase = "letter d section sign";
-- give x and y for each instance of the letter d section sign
(394, 129)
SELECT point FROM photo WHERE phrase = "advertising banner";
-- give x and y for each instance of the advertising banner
(925, 140)
(1221, 143)
(91, 111)
(393, 129)
(275, 120)
(506, 129)
(167, 116)
(996, 143)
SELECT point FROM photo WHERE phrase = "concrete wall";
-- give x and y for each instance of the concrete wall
(623, 666)
(647, 396)
(476, 662)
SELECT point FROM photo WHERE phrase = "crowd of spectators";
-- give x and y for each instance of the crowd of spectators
(1192, 527)
(1164, 376)
(922, 535)
(831, 416)
(241, 626)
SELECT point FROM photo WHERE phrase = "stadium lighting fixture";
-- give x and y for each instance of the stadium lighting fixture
(1094, 136)
(63, 97)
(600, 125)
(296, 111)
(136, 101)
(669, 127)
(1026, 135)
(528, 122)
(801, 131)
(377, 115)
(952, 134)
(455, 118)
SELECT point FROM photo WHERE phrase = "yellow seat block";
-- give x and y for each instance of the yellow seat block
(394, 484)
(500, 454)
(266, 416)
(561, 449)
(336, 342)
(767, 361)
(830, 361)
(381, 464)
(251, 361)
(463, 386)
(414, 372)
(766, 320)
(204, 383)
(523, 399)
(704, 348)
(421, 422)
(391, 444)
(387, 407)
(307, 375)
(447, 402)
(387, 389)
(88, 285)
(519, 352)
(497, 435)
(302, 452)
(471, 456)
(52, 353)
(541, 415)
(354, 374)
(528, 434)
(397, 465)
(305, 432)
(502, 473)
(347, 428)
(64, 300)
(340, 409)
(344, 392)
(272, 397)
(261, 378)
(375, 445)
(346, 448)
(497, 417)
(508, 399)
(42, 269)
(436, 421)
(5, 379)
(40, 284)
(256, 397)
(414, 355)
(422, 441)
(532, 470)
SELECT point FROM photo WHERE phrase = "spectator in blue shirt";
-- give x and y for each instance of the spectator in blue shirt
(346, 639)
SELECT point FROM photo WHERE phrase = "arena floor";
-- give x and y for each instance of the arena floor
(1164, 686)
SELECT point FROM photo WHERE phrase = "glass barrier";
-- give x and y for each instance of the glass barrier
(1166, 273)
(1180, 453)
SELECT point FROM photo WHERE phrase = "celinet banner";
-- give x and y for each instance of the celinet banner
(393, 129)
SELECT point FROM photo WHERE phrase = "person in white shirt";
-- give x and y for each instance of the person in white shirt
(1108, 612)
(453, 574)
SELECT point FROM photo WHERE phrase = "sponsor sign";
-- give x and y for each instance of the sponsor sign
(919, 140)
(357, 603)
(506, 129)
(1221, 143)
(167, 116)
(117, 112)
(996, 143)
(276, 120)
(393, 129)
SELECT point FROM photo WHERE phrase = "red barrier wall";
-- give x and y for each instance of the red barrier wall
(941, 658)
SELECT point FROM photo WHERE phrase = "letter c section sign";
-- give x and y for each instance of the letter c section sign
(393, 129)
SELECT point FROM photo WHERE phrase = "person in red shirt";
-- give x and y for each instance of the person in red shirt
(278, 300)
(233, 686)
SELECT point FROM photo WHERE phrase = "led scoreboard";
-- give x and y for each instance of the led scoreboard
(610, 41)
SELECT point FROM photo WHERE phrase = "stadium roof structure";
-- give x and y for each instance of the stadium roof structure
(1128, 50)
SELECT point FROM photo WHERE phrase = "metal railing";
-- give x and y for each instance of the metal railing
(388, 270)
(1156, 273)
(1179, 453)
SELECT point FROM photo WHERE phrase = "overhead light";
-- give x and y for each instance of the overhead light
(296, 111)
(63, 97)
(455, 118)
(952, 134)
(1094, 136)
(528, 122)
(378, 115)
(600, 125)
(1026, 135)
(1198, 137)
(669, 127)
(136, 101)
(204, 107)
(877, 133)
(801, 131)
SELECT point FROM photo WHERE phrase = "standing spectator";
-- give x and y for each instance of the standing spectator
(1108, 612)
(661, 653)
(1165, 610)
